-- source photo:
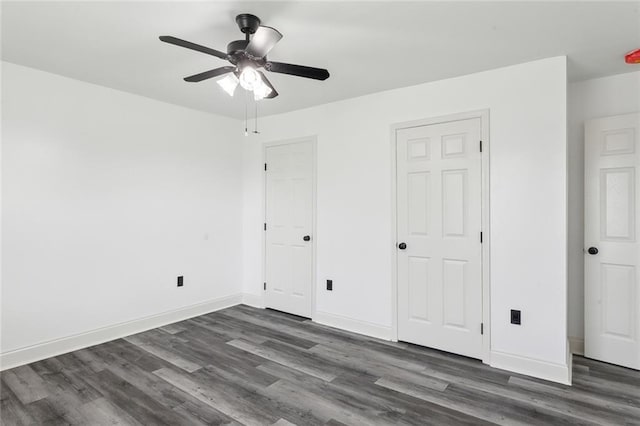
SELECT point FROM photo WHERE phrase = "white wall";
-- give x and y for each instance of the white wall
(107, 198)
(528, 203)
(602, 97)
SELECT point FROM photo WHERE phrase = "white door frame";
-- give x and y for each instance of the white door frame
(483, 115)
(314, 143)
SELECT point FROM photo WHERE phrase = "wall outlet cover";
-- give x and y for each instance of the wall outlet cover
(180, 281)
(515, 317)
(330, 285)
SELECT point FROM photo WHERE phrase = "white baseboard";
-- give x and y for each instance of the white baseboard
(577, 345)
(531, 367)
(354, 325)
(63, 345)
(254, 300)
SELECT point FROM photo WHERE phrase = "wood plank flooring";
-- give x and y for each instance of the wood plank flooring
(259, 367)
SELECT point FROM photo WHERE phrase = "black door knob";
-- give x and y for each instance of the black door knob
(592, 250)
(306, 238)
(402, 246)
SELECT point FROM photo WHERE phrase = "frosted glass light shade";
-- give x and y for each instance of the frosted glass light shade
(261, 91)
(229, 83)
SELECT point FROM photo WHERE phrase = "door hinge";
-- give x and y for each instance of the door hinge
(265, 286)
(480, 237)
(265, 167)
(265, 226)
(481, 328)
(480, 147)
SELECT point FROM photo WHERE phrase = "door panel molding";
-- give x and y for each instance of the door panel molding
(611, 238)
(261, 301)
(455, 147)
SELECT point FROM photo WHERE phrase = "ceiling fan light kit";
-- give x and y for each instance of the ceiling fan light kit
(247, 57)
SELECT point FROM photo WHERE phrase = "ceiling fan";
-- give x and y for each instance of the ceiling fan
(247, 57)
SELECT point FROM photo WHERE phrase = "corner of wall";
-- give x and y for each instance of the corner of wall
(576, 345)
(255, 300)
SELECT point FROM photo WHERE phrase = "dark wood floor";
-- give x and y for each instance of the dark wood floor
(250, 366)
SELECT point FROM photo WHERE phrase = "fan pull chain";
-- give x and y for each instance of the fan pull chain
(246, 131)
(255, 124)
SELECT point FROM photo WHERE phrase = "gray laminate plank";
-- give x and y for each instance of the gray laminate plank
(261, 399)
(67, 384)
(292, 362)
(101, 412)
(47, 413)
(309, 356)
(161, 352)
(333, 395)
(12, 411)
(134, 401)
(198, 413)
(242, 374)
(324, 407)
(267, 333)
(93, 363)
(360, 363)
(283, 422)
(581, 413)
(294, 328)
(228, 402)
(513, 411)
(129, 352)
(227, 331)
(413, 389)
(219, 351)
(334, 422)
(607, 388)
(613, 371)
(394, 407)
(147, 382)
(25, 383)
(417, 411)
(577, 402)
(174, 328)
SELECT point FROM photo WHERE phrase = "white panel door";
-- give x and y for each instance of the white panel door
(612, 255)
(289, 222)
(439, 217)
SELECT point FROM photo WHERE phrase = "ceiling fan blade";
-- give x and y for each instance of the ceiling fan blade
(297, 70)
(263, 41)
(266, 81)
(193, 46)
(209, 74)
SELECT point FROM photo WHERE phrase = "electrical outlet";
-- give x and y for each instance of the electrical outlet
(515, 317)
(330, 285)
(180, 281)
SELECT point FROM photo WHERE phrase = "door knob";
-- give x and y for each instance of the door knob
(306, 238)
(402, 246)
(592, 250)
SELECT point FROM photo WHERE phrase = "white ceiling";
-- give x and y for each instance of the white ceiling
(367, 46)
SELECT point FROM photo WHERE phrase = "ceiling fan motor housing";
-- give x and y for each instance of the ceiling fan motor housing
(248, 23)
(236, 46)
(238, 56)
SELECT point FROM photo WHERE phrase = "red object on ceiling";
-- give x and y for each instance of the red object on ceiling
(632, 57)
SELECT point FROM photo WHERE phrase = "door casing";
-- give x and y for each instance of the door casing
(313, 140)
(486, 243)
